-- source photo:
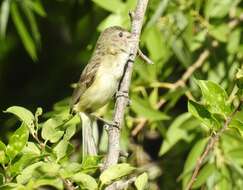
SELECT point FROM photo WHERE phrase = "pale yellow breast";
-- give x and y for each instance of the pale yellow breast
(105, 84)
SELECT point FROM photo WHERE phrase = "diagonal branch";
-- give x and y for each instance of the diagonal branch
(213, 139)
(121, 101)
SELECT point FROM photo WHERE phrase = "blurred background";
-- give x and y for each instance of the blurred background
(44, 46)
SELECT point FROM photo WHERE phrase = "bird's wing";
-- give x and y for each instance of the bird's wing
(86, 79)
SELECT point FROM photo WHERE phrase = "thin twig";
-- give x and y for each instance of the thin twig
(121, 101)
(179, 83)
(182, 81)
(213, 139)
(144, 57)
(68, 184)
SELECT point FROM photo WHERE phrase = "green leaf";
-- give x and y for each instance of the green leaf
(24, 115)
(181, 52)
(49, 131)
(114, 172)
(27, 173)
(198, 40)
(174, 133)
(115, 6)
(217, 9)
(200, 112)
(32, 21)
(17, 141)
(204, 174)
(237, 122)
(22, 31)
(61, 149)
(56, 182)
(141, 181)
(70, 131)
(143, 109)
(234, 41)
(155, 42)
(86, 181)
(3, 158)
(4, 14)
(31, 149)
(20, 164)
(69, 169)
(220, 32)
(50, 168)
(111, 20)
(37, 7)
(215, 97)
(91, 163)
(191, 160)
(2, 179)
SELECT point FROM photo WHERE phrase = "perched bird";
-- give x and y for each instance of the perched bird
(100, 79)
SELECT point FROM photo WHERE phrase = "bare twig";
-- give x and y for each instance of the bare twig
(121, 102)
(68, 184)
(182, 81)
(144, 57)
(179, 83)
(213, 139)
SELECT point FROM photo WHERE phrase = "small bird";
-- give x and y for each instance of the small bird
(100, 79)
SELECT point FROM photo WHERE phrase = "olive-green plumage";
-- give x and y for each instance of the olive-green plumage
(100, 79)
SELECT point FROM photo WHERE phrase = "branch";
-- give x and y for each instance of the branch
(213, 139)
(121, 101)
(182, 81)
(144, 57)
(179, 83)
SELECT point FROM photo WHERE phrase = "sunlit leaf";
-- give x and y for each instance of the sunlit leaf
(61, 149)
(141, 181)
(115, 6)
(17, 141)
(115, 172)
(200, 112)
(215, 97)
(3, 158)
(220, 32)
(86, 181)
(27, 173)
(24, 115)
(49, 131)
(217, 9)
(234, 41)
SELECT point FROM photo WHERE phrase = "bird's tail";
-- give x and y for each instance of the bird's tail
(89, 142)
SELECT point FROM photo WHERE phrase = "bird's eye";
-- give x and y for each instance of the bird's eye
(120, 34)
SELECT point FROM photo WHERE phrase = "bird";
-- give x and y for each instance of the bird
(100, 79)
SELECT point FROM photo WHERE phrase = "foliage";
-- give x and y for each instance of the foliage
(172, 115)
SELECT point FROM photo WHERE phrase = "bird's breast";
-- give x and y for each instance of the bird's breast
(105, 84)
